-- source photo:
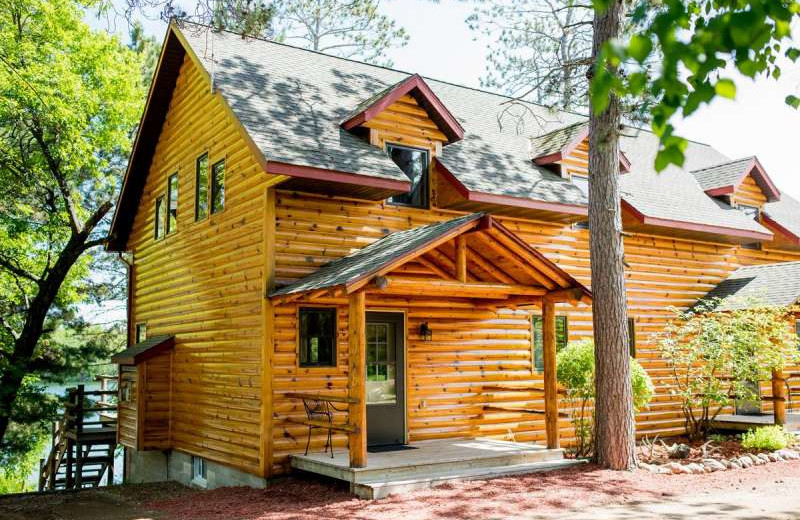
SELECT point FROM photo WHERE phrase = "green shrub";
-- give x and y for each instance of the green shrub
(575, 372)
(766, 438)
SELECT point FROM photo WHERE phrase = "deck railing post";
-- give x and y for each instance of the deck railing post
(779, 397)
(550, 381)
(357, 410)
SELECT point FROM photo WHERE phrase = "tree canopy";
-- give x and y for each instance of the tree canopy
(70, 98)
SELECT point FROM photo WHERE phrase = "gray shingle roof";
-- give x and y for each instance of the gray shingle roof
(292, 102)
(555, 141)
(375, 256)
(724, 174)
(786, 213)
(143, 350)
(772, 284)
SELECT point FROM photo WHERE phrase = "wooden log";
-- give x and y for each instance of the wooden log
(357, 379)
(321, 397)
(325, 425)
(778, 392)
(461, 258)
(550, 382)
(428, 287)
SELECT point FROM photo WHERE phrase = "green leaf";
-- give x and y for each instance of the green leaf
(640, 47)
(793, 101)
(726, 88)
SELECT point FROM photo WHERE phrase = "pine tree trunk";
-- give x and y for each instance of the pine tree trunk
(614, 426)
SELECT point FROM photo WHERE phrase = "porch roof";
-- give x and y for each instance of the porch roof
(771, 284)
(502, 264)
(143, 350)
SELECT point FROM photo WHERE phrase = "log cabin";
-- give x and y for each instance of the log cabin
(315, 241)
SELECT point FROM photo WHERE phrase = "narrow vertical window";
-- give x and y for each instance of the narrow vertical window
(172, 203)
(160, 214)
(632, 337)
(538, 339)
(201, 188)
(141, 332)
(317, 337)
(797, 331)
(218, 187)
(414, 163)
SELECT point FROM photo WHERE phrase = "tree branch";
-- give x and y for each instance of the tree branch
(11, 266)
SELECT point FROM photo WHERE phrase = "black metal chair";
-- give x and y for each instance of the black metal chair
(320, 410)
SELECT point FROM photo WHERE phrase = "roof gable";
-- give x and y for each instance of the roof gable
(771, 284)
(557, 145)
(415, 87)
(725, 178)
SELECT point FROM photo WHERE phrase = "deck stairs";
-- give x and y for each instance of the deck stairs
(83, 441)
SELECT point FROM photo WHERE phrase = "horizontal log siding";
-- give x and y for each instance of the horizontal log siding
(157, 399)
(749, 193)
(204, 283)
(474, 346)
(127, 412)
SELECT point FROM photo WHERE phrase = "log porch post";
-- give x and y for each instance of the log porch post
(461, 258)
(550, 381)
(357, 410)
(779, 397)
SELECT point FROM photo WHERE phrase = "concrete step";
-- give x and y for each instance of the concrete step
(381, 488)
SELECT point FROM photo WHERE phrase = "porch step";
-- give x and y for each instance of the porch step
(376, 489)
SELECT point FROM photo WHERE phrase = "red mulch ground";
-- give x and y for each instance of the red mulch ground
(544, 493)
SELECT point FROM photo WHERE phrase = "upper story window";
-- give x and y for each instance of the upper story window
(751, 211)
(582, 183)
(414, 163)
(797, 331)
(538, 339)
(317, 337)
(172, 203)
(141, 332)
(218, 186)
(201, 188)
(160, 214)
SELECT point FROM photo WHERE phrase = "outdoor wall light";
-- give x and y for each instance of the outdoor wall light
(425, 332)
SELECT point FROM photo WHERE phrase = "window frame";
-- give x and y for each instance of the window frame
(540, 347)
(168, 229)
(388, 146)
(632, 337)
(138, 329)
(159, 221)
(797, 331)
(213, 187)
(198, 177)
(199, 470)
(741, 207)
(334, 361)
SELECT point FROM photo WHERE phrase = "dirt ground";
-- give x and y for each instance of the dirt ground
(769, 491)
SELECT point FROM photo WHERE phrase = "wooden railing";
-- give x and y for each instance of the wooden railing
(83, 439)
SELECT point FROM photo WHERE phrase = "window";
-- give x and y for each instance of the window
(141, 332)
(317, 337)
(414, 163)
(159, 217)
(125, 391)
(561, 339)
(381, 363)
(751, 211)
(632, 337)
(198, 470)
(201, 188)
(218, 187)
(172, 203)
(797, 332)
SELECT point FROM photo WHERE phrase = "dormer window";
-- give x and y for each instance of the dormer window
(751, 211)
(414, 163)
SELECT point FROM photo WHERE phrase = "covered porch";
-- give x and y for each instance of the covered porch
(462, 265)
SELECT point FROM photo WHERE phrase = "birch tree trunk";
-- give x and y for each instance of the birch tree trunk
(614, 435)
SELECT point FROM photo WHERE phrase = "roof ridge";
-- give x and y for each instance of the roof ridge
(746, 158)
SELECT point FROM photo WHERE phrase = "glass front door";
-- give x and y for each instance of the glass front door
(385, 377)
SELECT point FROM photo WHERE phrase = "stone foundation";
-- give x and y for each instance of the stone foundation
(161, 466)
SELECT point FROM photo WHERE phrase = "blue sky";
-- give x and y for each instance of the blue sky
(757, 122)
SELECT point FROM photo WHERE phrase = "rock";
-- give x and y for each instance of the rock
(756, 461)
(788, 454)
(676, 468)
(726, 463)
(713, 465)
(745, 461)
(735, 464)
(764, 457)
(777, 456)
(773, 458)
(679, 451)
(695, 468)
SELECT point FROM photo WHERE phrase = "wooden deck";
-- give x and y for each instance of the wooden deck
(741, 422)
(429, 463)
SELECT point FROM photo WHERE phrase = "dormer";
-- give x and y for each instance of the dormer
(566, 151)
(742, 183)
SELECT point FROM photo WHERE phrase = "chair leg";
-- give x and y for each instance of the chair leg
(308, 442)
(330, 441)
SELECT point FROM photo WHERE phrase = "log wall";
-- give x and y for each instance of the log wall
(204, 283)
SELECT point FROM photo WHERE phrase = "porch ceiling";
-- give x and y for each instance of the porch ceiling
(473, 257)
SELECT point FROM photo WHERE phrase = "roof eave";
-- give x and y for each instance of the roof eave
(775, 226)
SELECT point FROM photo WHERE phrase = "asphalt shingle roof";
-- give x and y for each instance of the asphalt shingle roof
(554, 141)
(292, 102)
(375, 256)
(141, 351)
(786, 212)
(772, 284)
(724, 174)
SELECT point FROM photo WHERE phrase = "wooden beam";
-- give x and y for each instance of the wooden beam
(394, 285)
(267, 341)
(573, 295)
(524, 251)
(357, 378)
(461, 258)
(476, 258)
(523, 264)
(778, 392)
(441, 273)
(550, 382)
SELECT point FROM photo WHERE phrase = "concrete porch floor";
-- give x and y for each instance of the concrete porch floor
(429, 463)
